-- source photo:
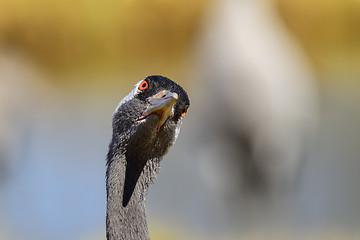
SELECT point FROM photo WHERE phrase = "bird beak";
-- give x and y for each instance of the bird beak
(162, 104)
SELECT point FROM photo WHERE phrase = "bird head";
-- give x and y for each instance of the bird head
(151, 115)
(146, 124)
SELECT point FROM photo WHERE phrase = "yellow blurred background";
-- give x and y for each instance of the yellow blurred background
(328, 30)
(115, 35)
(121, 35)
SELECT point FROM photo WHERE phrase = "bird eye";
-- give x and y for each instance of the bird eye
(143, 85)
(183, 112)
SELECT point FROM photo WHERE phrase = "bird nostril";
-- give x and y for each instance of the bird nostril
(162, 94)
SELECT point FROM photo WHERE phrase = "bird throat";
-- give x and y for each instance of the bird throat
(127, 182)
(132, 165)
(134, 170)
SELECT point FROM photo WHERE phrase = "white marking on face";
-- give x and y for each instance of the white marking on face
(177, 130)
(130, 96)
(172, 111)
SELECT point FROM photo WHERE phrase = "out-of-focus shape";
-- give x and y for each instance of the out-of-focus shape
(18, 86)
(258, 98)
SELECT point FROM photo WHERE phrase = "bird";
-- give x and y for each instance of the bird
(261, 109)
(264, 92)
(146, 124)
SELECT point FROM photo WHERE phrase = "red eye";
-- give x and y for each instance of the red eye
(184, 111)
(143, 85)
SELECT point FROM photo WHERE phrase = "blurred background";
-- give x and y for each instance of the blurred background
(268, 150)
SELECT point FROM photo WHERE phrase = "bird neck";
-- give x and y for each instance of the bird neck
(127, 183)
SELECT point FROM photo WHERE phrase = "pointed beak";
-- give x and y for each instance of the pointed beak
(162, 104)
